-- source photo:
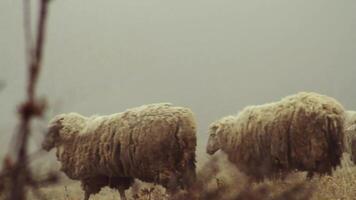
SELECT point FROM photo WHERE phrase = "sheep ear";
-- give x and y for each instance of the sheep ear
(219, 130)
(55, 126)
(214, 127)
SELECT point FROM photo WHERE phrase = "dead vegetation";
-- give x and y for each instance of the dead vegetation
(16, 175)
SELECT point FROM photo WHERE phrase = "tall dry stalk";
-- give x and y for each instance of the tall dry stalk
(17, 171)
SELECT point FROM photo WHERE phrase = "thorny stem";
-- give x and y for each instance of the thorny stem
(31, 107)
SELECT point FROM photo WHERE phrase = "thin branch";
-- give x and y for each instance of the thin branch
(37, 57)
(27, 29)
(20, 172)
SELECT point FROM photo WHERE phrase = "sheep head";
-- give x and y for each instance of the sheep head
(214, 140)
(52, 135)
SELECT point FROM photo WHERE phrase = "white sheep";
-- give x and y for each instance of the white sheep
(301, 132)
(154, 143)
(350, 135)
(350, 118)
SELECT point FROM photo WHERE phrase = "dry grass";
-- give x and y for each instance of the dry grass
(220, 180)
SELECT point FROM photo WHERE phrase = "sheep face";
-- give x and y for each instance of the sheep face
(51, 136)
(213, 141)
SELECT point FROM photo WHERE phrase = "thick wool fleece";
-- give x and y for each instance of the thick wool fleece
(153, 143)
(302, 131)
(350, 134)
(350, 118)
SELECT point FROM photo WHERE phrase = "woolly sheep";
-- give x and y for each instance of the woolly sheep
(154, 143)
(350, 135)
(301, 132)
(350, 118)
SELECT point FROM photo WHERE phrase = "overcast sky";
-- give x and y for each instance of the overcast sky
(215, 57)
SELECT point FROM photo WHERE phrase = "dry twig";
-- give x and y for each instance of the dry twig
(17, 172)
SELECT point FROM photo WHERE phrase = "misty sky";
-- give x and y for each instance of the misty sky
(215, 57)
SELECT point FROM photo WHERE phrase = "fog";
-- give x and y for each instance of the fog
(214, 57)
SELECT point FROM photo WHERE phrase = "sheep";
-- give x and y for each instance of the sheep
(350, 118)
(350, 135)
(154, 143)
(302, 132)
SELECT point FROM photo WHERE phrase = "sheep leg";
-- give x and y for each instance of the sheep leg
(122, 193)
(310, 175)
(89, 187)
(86, 195)
(86, 188)
(169, 181)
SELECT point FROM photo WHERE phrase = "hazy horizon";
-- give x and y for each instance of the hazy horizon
(214, 57)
